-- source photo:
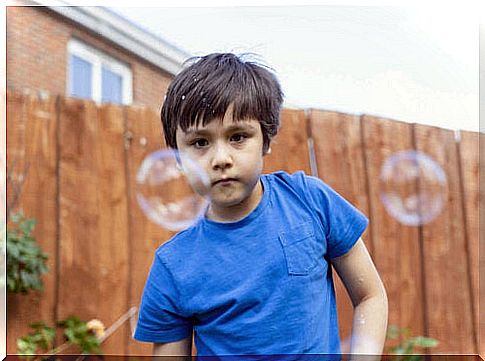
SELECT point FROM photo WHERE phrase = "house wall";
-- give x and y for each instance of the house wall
(37, 42)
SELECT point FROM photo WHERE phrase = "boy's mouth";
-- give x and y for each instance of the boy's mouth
(224, 181)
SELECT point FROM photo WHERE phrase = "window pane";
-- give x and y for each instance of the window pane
(80, 77)
(112, 85)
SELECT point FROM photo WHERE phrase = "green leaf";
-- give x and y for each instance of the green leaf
(409, 348)
(26, 346)
(422, 341)
(91, 345)
(13, 250)
(71, 321)
(25, 260)
(11, 284)
(27, 226)
(70, 334)
(44, 333)
(398, 350)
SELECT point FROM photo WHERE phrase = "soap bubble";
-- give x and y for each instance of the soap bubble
(171, 189)
(413, 187)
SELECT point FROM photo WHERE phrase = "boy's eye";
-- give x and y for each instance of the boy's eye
(199, 143)
(238, 138)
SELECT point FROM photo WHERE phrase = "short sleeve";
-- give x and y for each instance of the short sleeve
(160, 317)
(342, 223)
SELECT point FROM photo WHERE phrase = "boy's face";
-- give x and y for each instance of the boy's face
(231, 152)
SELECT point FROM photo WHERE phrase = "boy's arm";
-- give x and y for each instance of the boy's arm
(369, 299)
(177, 348)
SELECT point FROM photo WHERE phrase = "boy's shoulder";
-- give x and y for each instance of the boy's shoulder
(298, 176)
(178, 245)
(298, 180)
(281, 174)
(316, 195)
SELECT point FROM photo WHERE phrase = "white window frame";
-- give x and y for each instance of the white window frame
(98, 59)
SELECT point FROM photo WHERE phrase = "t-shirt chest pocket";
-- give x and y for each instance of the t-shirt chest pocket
(300, 248)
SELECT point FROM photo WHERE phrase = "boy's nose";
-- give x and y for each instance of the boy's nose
(222, 158)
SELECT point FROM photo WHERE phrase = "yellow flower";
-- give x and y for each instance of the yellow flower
(97, 327)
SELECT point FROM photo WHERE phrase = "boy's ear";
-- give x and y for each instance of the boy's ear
(268, 151)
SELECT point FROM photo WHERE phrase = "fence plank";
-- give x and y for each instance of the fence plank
(469, 160)
(339, 158)
(113, 222)
(145, 236)
(289, 149)
(93, 222)
(31, 141)
(396, 246)
(448, 301)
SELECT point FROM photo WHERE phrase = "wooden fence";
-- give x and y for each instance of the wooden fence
(81, 167)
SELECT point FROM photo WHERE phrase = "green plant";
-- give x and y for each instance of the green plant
(78, 333)
(408, 343)
(42, 337)
(25, 260)
(86, 335)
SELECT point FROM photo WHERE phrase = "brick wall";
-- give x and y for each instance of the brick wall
(37, 56)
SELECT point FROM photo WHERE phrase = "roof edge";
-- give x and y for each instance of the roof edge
(124, 33)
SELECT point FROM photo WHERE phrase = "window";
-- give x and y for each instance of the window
(94, 75)
(81, 77)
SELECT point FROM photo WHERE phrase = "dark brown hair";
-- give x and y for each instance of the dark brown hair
(204, 90)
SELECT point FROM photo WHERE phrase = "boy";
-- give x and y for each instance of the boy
(253, 277)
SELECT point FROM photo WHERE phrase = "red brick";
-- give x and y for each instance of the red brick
(37, 42)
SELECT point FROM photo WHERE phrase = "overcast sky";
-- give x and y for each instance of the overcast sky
(411, 64)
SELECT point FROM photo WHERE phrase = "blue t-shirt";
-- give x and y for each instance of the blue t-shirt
(259, 286)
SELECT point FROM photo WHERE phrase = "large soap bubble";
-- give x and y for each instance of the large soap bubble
(171, 189)
(413, 187)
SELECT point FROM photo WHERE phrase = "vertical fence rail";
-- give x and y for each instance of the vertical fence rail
(143, 136)
(31, 159)
(445, 263)
(80, 187)
(396, 246)
(93, 216)
(468, 150)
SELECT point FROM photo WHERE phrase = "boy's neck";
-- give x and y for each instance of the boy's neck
(238, 211)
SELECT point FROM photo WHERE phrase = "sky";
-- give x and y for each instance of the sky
(414, 64)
